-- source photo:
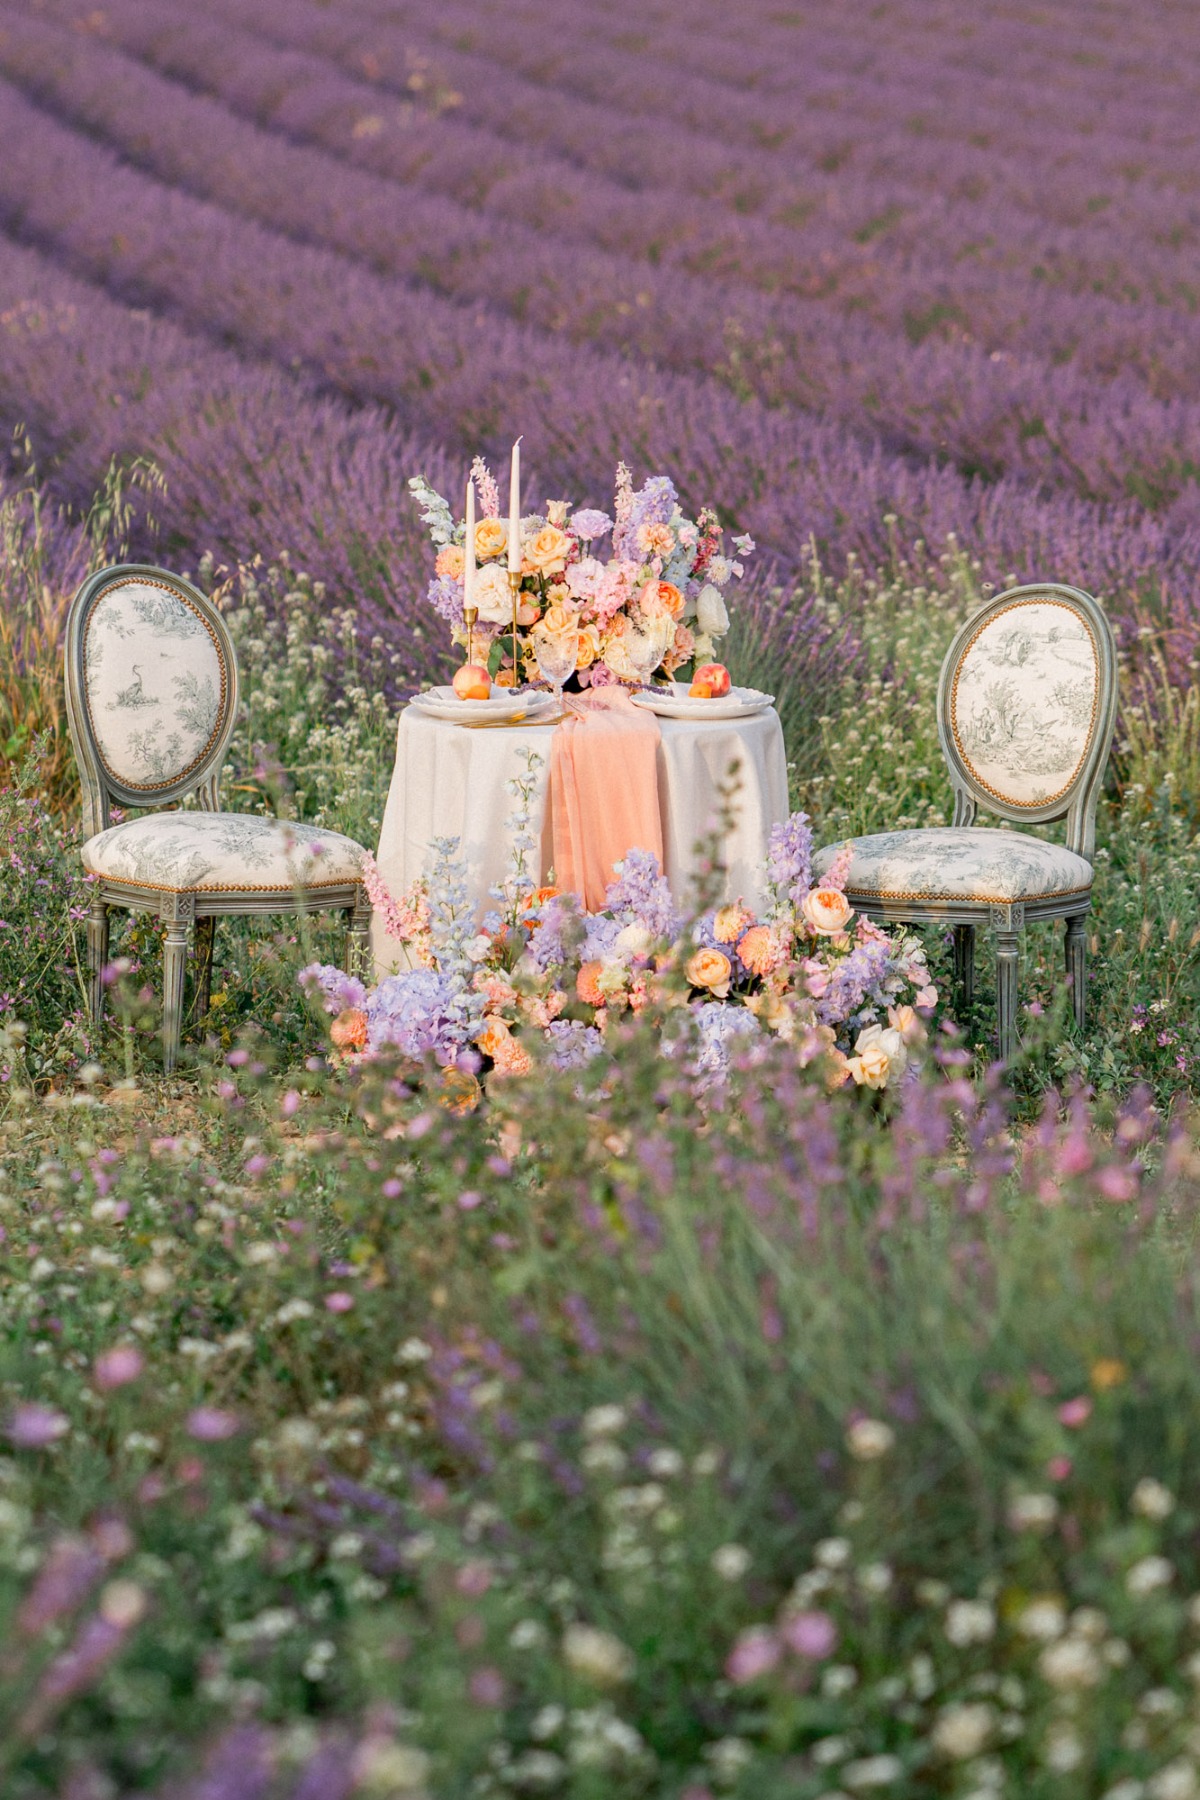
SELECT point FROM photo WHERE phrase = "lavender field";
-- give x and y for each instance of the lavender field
(601, 1430)
(869, 275)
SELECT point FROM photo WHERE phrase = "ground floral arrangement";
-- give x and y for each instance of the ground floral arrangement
(540, 977)
(664, 579)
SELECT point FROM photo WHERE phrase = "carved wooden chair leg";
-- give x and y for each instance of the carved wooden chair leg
(97, 955)
(964, 964)
(178, 911)
(1076, 948)
(358, 935)
(205, 929)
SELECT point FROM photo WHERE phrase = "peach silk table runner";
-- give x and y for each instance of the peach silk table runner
(603, 791)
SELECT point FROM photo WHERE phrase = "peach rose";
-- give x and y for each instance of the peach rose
(904, 1020)
(349, 1029)
(655, 540)
(491, 539)
(760, 950)
(871, 1068)
(729, 922)
(558, 618)
(527, 612)
(450, 562)
(548, 550)
(710, 969)
(662, 598)
(504, 678)
(827, 911)
(587, 984)
(494, 1033)
(589, 647)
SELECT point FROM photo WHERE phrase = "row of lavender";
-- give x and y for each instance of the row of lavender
(984, 410)
(257, 458)
(853, 236)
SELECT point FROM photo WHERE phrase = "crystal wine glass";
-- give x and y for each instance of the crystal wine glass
(557, 655)
(644, 649)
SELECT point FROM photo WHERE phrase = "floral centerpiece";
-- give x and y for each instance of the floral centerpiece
(647, 570)
(541, 977)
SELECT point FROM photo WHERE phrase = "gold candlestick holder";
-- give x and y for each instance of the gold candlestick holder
(514, 583)
(470, 614)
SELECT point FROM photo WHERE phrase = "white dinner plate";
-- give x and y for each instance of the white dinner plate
(675, 703)
(444, 703)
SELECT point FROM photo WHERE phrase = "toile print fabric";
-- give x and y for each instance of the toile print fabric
(182, 851)
(153, 683)
(970, 862)
(1024, 701)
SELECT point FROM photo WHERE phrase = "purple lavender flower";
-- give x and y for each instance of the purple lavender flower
(602, 934)
(35, 1427)
(641, 895)
(420, 1012)
(789, 861)
(339, 991)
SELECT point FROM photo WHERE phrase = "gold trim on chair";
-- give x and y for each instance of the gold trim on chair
(968, 899)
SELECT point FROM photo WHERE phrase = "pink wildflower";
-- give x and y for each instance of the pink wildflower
(755, 1653)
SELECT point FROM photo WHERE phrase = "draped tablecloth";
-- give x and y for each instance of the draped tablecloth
(450, 781)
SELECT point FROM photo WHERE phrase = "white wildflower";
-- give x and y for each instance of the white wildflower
(875, 1578)
(1071, 1663)
(413, 1350)
(547, 1722)
(869, 1439)
(872, 1772)
(665, 1463)
(962, 1731)
(388, 1768)
(1042, 1620)
(1032, 1512)
(1062, 1748)
(527, 1634)
(1175, 1781)
(827, 1751)
(596, 1655)
(731, 1561)
(833, 1552)
(969, 1622)
(603, 1421)
(1152, 1499)
(838, 1681)
(604, 1458)
(292, 1310)
(1129, 1789)
(727, 1758)
(1148, 1576)
(535, 1769)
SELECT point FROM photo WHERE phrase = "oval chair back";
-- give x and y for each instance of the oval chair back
(1027, 703)
(152, 690)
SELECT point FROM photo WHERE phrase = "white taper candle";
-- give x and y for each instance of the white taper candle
(514, 511)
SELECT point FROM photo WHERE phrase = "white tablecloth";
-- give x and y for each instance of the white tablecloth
(450, 782)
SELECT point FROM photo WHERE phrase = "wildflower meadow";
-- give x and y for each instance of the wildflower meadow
(653, 1348)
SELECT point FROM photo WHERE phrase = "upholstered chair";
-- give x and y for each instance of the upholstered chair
(1026, 707)
(152, 693)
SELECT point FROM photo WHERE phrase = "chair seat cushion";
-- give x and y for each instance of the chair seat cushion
(960, 863)
(194, 851)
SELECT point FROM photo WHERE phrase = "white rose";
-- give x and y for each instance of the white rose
(711, 614)
(703, 650)
(493, 596)
(635, 940)
(889, 1040)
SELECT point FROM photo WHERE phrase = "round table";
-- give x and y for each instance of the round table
(450, 781)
